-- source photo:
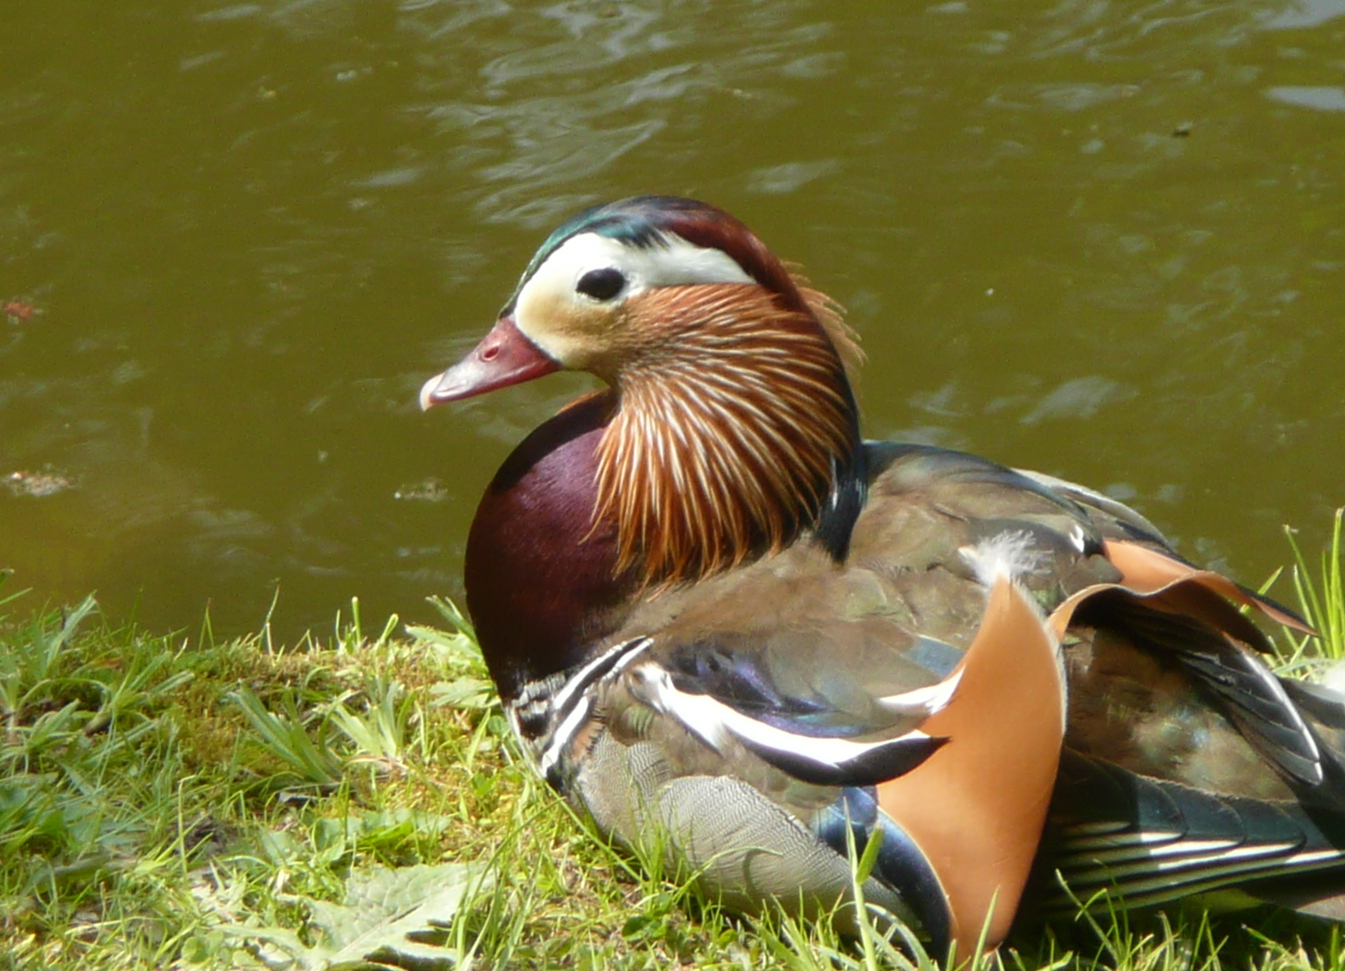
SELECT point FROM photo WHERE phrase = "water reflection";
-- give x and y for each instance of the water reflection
(1305, 13)
(1325, 98)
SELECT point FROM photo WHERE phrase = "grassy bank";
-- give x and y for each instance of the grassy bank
(178, 802)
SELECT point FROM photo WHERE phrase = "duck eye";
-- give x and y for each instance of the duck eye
(601, 284)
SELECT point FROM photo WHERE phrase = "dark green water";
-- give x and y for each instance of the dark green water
(1104, 240)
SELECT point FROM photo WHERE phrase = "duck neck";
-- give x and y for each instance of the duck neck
(735, 430)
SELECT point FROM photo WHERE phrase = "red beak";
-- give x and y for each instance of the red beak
(503, 358)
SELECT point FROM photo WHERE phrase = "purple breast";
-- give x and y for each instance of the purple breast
(539, 574)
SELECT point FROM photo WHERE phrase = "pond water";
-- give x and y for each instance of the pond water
(1104, 240)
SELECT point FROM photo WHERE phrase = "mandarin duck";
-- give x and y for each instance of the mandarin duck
(723, 623)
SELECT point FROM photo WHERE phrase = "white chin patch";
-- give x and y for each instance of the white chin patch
(551, 296)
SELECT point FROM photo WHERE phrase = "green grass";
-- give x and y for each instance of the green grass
(181, 803)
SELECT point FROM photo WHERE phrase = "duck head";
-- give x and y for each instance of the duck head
(732, 423)
(589, 300)
(616, 287)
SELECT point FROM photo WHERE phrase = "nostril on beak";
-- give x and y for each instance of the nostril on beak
(490, 353)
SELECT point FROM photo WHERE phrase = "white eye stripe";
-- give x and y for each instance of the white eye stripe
(669, 262)
(672, 261)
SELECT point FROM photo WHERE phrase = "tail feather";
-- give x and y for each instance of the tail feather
(1152, 841)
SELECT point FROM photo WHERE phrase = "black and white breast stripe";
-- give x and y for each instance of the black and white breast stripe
(547, 714)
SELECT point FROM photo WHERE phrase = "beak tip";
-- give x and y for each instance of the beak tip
(505, 357)
(428, 399)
